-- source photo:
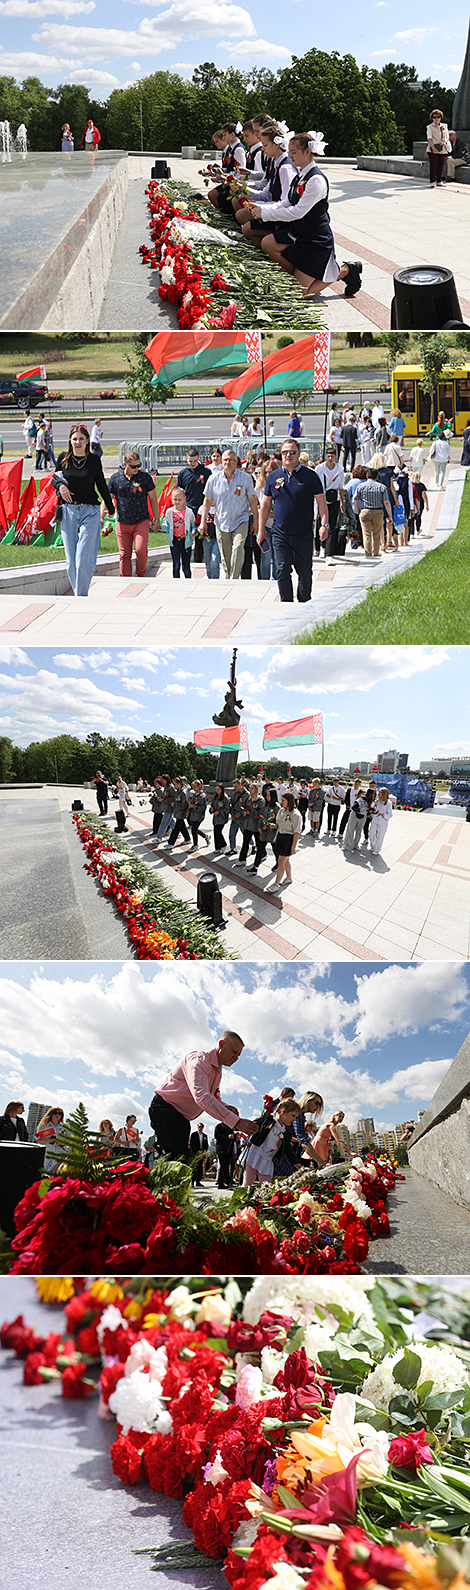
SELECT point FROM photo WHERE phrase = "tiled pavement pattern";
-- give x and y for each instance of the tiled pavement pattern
(201, 611)
(410, 903)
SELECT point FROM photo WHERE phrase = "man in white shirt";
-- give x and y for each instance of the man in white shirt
(378, 413)
(336, 795)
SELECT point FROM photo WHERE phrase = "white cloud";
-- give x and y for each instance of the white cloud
(35, 8)
(85, 74)
(55, 705)
(68, 660)
(384, 52)
(184, 19)
(328, 668)
(182, 66)
(403, 999)
(257, 49)
(14, 654)
(416, 35)
(22, 63)
(96, 659)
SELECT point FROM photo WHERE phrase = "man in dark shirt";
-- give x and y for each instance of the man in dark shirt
(192, 479)
(291, 493)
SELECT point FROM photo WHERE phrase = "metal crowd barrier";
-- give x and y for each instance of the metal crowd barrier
(158, 456)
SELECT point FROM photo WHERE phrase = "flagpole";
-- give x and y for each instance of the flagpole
(264, 406)
(325, 422)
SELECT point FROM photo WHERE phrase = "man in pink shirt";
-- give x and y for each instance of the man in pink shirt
(191, 1089)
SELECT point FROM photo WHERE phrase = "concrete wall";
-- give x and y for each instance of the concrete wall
(440, 1147)
(79, 299)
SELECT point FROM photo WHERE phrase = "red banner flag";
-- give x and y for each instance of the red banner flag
(303, 366)
(39, 520)
(298, 731)
(10, 487)
(164, 500)
(27, 503)
(39, 374)
(217, 739)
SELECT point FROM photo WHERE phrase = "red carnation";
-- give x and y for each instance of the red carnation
(31, 1372)
(108, 1380)
(126, 1460)
(73, 1385)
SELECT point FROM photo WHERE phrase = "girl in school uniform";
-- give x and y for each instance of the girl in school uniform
(233, 159)
(300, 238)
(278, 174)
(381, 817)
(259, 1161)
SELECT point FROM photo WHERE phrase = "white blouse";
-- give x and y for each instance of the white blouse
(314, 190)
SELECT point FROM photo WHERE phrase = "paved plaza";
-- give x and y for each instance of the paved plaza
(160, 610)
(411, 903)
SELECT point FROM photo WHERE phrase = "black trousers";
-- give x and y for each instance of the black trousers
(102, 805)
(179, 828)
(344, 819)
(225, 1167)
(219, 841)
(293, 552)
(120, 820)
(246, 841)
(333, 814)
(157, 817)
(170, 1127)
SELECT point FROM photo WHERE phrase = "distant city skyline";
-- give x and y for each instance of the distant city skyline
(380, 697)
(375, 1042)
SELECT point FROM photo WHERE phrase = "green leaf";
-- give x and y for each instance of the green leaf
(287, 1497)
(443, 1399)
(423, 1390)
(407, 1371)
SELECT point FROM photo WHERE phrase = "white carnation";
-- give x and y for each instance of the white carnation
(246, 1533)
(137, 1406)
(437, 1364)
(214, 1472)
(141, 1354)
(111, 1319)
(182, 1303)
(316, 1337)
(284, 1577)
(271, 1363)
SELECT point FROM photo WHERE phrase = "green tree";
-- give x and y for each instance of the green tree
(434, 351)
(396, 343)
(284, 342)
(411, 102)
(6, 759)
(139, 381)
(350, 103)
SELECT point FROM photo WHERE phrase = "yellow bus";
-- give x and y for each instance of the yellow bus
(452, 395)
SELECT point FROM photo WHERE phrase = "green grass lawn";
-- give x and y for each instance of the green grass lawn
(428, 605)
(12, 557)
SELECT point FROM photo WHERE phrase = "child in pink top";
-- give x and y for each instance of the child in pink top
(180, 523)
(321, 1143)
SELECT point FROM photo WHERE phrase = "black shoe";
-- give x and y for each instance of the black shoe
(253, 871)
(353, 279)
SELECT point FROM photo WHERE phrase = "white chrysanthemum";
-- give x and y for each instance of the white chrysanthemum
(316, 1337)
(437, 1364)
(137, 1406)
(271, 1363)
(296, 1295)
(111, 1319)
(362, 1209)
(141, 1354)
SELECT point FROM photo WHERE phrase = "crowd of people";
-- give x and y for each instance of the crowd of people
(278, 195)
(271, 511)
(259, 812)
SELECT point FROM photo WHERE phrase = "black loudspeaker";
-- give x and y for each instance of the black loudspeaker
(160, 168)
(425, 299)
(209, 898)
(77, 806)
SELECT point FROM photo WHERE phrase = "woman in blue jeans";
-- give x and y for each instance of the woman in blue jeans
(79, 476)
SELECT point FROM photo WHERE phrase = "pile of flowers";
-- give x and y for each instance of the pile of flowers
(285, 1474)
(137, 1220)
(160, 927)
(197, 271)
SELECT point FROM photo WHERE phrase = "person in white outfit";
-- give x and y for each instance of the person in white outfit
(29, 432)
(440, 454)
(123, 803)
(417, 457)
(381, 817)
(356, 820)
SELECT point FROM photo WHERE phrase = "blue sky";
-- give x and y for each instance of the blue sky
(372, 698)
(374, 1042)
(109, 45)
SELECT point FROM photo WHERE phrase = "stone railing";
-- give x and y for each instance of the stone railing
(440, 1147)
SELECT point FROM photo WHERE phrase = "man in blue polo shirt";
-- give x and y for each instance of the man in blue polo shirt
(291, 493)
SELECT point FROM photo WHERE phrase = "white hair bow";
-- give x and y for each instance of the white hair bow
(286, 134)
(280, 140)
(316, 143)
(239, 128)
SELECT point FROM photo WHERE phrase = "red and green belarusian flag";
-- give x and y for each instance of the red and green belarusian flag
(305, 366)
(174, 354)
(38, 374)
(298, 731)
(219, 739)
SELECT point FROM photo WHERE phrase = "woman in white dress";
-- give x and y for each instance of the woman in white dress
(381, 817)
